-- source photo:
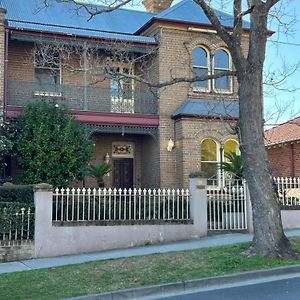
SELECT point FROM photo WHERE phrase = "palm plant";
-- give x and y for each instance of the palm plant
(233, 165)
(98, 172)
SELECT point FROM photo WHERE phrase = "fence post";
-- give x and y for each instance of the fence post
(43, 216)
(249, 210)
(198, 204)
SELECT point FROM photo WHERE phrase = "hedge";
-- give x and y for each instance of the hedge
(17, 194)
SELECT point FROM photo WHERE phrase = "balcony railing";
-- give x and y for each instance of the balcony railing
(82, 98)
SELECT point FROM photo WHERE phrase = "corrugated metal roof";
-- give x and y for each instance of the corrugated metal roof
(82, 32)
(189, 11)
(67, 18)
(208, 108)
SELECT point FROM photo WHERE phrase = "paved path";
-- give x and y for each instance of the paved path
(205, 242)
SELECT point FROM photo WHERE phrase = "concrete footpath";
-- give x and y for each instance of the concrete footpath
(205, 242)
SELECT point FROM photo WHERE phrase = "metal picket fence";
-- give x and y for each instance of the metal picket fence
(16, 225)
(288, 190)
(227, 207)
(120, 204)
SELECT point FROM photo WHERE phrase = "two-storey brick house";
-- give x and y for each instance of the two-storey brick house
(152, 139)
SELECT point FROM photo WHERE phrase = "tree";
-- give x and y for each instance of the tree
(269, 239)
(8, 132)
(99, 171)
(51, 146)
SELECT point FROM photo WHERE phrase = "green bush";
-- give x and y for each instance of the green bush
(51, 146)
(17, 194)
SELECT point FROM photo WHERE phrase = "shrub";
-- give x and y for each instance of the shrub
(17, 194)
(51, 146)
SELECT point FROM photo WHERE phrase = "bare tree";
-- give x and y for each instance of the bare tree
(269, 239)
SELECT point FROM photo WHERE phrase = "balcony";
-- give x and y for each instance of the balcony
(81, 98)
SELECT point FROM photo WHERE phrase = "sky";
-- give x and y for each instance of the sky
(282, 56)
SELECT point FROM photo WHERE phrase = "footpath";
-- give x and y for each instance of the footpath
(205, 242)
(165, 290)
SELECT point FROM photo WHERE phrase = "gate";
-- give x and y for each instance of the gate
(227, 206)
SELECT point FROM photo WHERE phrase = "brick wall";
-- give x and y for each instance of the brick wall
(2, 54)
(282, 161)
(144, 163)
(175, 58)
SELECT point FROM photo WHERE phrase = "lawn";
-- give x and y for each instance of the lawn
(102, 276)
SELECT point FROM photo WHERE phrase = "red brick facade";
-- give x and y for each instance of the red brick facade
(285, 160)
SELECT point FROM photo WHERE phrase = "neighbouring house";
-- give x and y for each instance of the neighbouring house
(152, 138)
(283, 147)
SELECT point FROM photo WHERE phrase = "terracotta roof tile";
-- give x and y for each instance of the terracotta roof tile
(283, 133)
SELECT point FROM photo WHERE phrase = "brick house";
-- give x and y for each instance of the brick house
(283, 147)
(150, 140)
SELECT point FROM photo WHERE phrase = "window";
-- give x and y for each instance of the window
(47, 72)
(122, 91)
(231, 146)
(209, 160)
(200, 67)
(221, 63)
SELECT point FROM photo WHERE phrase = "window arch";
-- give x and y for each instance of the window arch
(222, 63)
(231, 146)
(201, 67)
(209, 159)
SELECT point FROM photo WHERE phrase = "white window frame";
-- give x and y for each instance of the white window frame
(217, 186)
(223, 91)
(49, 93)
(207, 67)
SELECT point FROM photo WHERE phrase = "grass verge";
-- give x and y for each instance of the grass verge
(102, 276)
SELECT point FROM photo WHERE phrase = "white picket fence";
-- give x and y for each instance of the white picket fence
(77, 205)
(16, 226)
(288, 190)
(227, 207)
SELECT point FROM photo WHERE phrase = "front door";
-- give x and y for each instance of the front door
(123, 173)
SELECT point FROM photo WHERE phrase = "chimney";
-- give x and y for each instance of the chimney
(157, 5)
(2, 15)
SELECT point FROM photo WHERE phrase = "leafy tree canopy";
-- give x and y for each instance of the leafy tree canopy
(51, 147)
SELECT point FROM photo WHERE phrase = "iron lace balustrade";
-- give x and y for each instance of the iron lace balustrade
(73, 97)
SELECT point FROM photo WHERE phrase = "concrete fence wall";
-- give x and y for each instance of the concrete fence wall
(53, 240)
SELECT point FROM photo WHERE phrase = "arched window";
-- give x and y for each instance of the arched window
(209, 159)
(200, 67)
(221, 63)
(231, 146)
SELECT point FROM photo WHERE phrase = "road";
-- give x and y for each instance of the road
(286, 289)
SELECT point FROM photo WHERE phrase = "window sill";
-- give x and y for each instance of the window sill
(47, 94)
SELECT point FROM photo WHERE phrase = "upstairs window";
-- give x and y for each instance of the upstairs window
(221, 63)
(200, 67)
(231, 146)
(47, 72)
(122, 91)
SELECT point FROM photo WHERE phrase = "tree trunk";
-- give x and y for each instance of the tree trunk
(269, 238)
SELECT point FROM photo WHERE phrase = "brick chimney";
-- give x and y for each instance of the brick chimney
(157, 5)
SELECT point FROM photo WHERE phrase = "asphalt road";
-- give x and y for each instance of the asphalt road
(286, 289)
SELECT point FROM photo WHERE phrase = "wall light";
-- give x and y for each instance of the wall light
(106, 158)
(170, 145)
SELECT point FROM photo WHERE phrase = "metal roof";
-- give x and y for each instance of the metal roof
(67, 18)
(123, 24)
(208, 108)
(187, 11)
(190, 12)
